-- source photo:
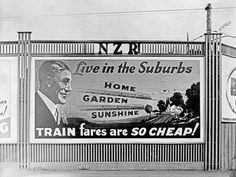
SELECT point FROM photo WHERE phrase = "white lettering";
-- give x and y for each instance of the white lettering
(55, 132)
(4, 128)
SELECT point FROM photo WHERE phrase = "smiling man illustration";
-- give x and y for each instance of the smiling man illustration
(55, 87)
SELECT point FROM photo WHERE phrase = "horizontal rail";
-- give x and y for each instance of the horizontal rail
(93, 47)
(77, 48)
(228, 51)
(9, 48)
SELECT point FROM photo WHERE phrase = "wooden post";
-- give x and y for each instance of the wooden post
(209, 23)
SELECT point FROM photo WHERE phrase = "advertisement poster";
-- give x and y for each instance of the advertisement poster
(8, 100)
(117, 100)
(228, 72)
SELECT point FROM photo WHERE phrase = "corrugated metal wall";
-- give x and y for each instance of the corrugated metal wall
(8, 153)
(212, 153)
(228, 147)
(117, 153)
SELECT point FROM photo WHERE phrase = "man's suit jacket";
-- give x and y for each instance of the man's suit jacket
(43, 116)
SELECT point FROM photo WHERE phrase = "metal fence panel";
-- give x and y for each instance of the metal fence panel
(209, 153)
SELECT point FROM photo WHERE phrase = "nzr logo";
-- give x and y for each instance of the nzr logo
(231, 90)
(119, 48)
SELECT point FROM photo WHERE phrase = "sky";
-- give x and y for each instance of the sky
(116, 19)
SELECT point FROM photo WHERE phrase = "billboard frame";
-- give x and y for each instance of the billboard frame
(14, 99)
(129, 141)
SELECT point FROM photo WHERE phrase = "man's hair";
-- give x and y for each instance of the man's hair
(51, 68)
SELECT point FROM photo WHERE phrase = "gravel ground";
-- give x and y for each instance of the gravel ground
(15, 172)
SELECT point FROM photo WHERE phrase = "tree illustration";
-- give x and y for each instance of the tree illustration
(193, 101)
(148, 109)
(177, 99)
(161, 105)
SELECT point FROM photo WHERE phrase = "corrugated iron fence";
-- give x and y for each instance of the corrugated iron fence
(217, 152)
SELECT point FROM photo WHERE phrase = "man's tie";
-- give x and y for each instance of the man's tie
(60, 118)
(57, 116)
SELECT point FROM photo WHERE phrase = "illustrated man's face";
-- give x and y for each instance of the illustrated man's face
(62, 86)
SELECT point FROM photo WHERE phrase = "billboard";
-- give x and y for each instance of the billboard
(228, 83)
(117, 100)
(8, 100)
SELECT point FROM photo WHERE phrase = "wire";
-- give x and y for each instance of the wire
(110, 13)
(197, 38)
(120, 13)
(219, 8)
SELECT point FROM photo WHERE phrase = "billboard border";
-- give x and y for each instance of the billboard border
(114, 140)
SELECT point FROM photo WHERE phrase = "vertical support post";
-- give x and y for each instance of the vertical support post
(209, 22)
(212, 100)
(24, 62)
